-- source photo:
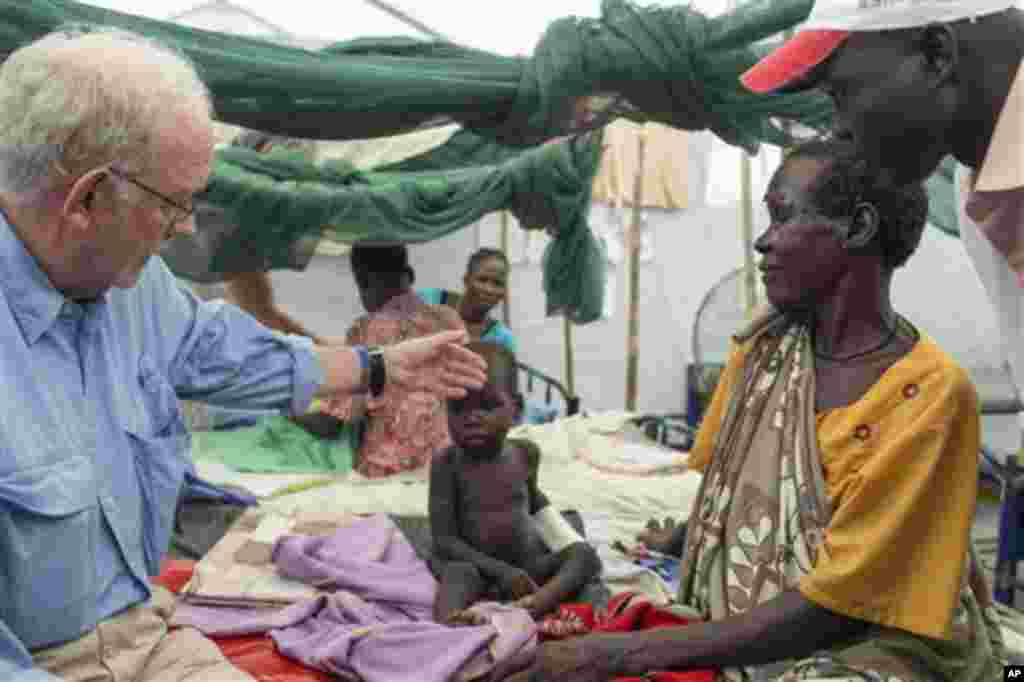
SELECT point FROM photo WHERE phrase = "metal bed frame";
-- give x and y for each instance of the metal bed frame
(1010, 478)
(551, 386)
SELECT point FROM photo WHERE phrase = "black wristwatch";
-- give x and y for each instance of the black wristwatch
(378, 372)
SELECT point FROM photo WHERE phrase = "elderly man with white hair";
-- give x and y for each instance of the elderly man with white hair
(105, 138)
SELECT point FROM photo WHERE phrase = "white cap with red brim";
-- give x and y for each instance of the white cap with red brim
(831, 21)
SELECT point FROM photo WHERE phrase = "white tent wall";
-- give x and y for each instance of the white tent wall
(689, 250)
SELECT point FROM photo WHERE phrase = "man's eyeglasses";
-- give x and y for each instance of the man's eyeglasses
(174, 212)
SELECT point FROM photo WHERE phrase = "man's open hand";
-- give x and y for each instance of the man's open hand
(436, 363)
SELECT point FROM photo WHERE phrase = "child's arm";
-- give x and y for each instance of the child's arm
(573, 562)
(444, 526)
(555, 531)
(538, 500)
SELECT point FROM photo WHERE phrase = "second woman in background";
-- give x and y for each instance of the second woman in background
(486, 285)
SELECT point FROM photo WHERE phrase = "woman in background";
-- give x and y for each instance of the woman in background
(486, 285)
(403, 428)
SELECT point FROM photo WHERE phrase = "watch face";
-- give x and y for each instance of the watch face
(378, 372)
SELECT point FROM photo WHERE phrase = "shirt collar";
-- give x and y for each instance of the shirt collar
(1003, 167)
(33, 300)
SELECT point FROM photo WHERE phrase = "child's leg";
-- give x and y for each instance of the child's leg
(561, 576)
(461, 586)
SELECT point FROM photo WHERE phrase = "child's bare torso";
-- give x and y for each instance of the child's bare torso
(494, 507)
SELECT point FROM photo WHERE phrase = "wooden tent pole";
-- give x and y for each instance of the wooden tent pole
(505, 312)
(747, 235)
(749, 278)
(633, 323)
(570, 356)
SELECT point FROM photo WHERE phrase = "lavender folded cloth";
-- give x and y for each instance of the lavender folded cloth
(377, 622)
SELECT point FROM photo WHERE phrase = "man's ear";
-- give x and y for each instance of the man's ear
(938, 44)
(78, 205)
(863, 226)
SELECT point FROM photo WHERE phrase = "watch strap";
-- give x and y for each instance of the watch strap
(364, 366)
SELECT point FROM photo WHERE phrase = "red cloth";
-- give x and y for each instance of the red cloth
(174, 573)
(255, 654)
(626, 612)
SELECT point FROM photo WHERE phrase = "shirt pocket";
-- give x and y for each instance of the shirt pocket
(161, 410)
(160, 447)
(48, 536)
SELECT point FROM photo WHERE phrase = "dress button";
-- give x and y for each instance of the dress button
(862, 432)
(911, 390)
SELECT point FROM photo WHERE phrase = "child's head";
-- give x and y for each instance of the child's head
(479, 422)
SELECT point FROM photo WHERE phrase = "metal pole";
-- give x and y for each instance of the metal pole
(408, 20)
(633, 332)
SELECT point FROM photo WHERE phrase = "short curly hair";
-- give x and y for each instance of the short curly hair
(383, 265)
(849, 180)
(482, 254)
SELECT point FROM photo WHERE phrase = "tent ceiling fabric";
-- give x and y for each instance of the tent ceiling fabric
(670, 65)
(665, 161)
(383, 151)
(265, 211)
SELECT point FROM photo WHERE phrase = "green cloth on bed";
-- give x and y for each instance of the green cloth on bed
(277, 445)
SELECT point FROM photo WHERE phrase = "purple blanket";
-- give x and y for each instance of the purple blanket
(377, 622)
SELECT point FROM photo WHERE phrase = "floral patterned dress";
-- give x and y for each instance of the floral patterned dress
(404, 428)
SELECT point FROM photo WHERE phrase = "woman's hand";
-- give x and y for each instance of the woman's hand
(591, 658)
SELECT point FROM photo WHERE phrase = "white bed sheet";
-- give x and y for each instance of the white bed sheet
(583, 467)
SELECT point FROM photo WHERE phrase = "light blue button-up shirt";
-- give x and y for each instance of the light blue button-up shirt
(93, 448)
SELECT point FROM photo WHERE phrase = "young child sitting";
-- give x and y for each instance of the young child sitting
(483, 502)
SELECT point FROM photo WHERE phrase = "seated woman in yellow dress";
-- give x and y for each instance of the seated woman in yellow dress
(830, 537)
